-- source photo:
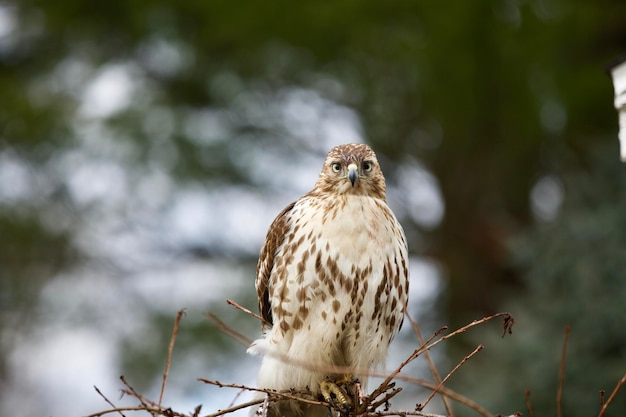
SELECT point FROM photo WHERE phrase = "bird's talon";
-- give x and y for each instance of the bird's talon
(334, 395)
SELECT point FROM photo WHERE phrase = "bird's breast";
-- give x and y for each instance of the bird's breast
(354, 229)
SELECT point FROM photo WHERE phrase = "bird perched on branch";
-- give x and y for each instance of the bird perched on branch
(332, 282)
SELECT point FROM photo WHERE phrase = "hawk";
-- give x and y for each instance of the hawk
(332, 282)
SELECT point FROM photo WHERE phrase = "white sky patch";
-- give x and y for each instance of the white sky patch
(341, 126)
(8, 21)
(103, 181)
(192, 285)
(97, 300)
(284, 171)
(425, 281)
(159, 123)
(546, 198)
(166, 57)
(54, 366)
(230, 218)
(155, 188)
(416, 194)
(206, 126)
(68, 79)
(22, 185)
(318, 121)
(109, 92)
(16, 182)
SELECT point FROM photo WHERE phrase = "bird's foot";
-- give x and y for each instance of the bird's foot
(335, 394)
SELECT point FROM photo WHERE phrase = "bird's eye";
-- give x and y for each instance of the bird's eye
(367, 166)
(336, 166)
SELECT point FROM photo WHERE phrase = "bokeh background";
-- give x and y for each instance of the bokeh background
(145, 147)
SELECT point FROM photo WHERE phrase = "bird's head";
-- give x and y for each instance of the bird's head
(352, 169)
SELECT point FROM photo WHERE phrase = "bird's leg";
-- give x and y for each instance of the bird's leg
(336, 395)
(359, 391)
(345, 379)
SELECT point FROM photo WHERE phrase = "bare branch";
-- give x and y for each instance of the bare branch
(429, 361)
(144, 401)
(508, 324)
(223, 327)
(388, 395)
(448, 393)
(465, 359)
(531, 412)
(170, 350)
(613, 394)
(559, 391)
(602, 392)
(235, 408)
(298, 395)
(151, 410)
(245, 310)
(107, 400)
(411, 357)
(402, 413)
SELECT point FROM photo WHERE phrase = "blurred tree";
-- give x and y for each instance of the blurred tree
(490, 95)
(572, 274)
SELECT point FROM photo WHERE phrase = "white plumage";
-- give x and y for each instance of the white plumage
(332, 280)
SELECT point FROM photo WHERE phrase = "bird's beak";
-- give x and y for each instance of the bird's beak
(353, 173)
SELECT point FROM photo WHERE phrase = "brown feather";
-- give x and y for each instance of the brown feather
(273, 240)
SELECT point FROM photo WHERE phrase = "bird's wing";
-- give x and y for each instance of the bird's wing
(275, 237)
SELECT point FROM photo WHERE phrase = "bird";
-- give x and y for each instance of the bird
(332, 284)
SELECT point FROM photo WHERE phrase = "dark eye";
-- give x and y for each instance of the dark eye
(336, 166)
(367, 166)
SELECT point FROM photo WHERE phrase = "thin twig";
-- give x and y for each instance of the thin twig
(107, 400)
(144, 401)
(170, 350)
(411, 357)
(559, 391)
(448, 393)
(531, 412)
(602, 392)
(290, 394)
(429, 361)
(415, 413)
(401, 413)
(235, 408)
(465, 359)
(613, 394)
(232, 403)
(389, 395)
(223, 327)
(151, 410)
(245, 310)
(508, 323)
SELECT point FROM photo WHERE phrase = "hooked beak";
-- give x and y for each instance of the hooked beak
(353, 173)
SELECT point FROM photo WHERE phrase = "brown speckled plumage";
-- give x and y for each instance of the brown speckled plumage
(332, 278)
